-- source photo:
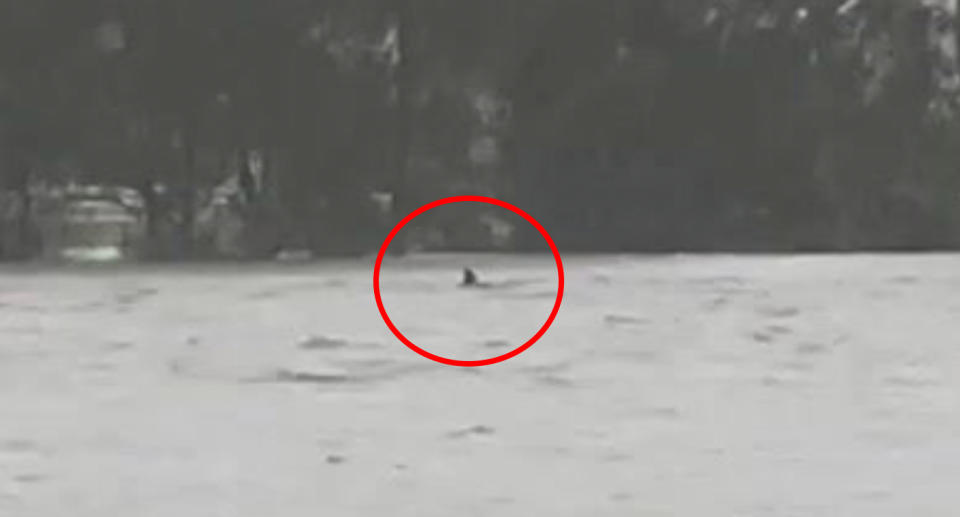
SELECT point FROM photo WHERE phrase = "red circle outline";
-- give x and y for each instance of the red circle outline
(456, 362)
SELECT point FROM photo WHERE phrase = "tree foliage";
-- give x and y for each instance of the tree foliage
(622, 124)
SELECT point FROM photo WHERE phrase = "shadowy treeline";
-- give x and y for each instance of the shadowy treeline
(619, 124)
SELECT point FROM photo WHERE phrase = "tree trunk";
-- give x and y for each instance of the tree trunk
(24, 243)
(403, 124)
(151, 213)
(186, 194)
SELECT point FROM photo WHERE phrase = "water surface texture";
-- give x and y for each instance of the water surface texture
(668, 386)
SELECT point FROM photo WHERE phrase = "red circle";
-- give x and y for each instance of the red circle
(456, 362)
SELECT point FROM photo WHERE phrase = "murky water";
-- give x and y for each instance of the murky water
(680, 386)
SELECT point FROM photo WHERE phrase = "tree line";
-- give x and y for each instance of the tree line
(619, 124)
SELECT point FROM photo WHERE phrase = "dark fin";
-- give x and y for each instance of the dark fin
(469, 277)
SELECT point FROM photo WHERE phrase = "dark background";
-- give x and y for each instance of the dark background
(621, 125)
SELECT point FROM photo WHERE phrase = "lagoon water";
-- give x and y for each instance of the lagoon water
(668, 386)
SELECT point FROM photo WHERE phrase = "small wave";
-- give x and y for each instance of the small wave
(622, 319)
(322, 343)
(476, 430)
(312, 377)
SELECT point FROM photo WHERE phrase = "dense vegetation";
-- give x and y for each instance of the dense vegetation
(620, 124)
